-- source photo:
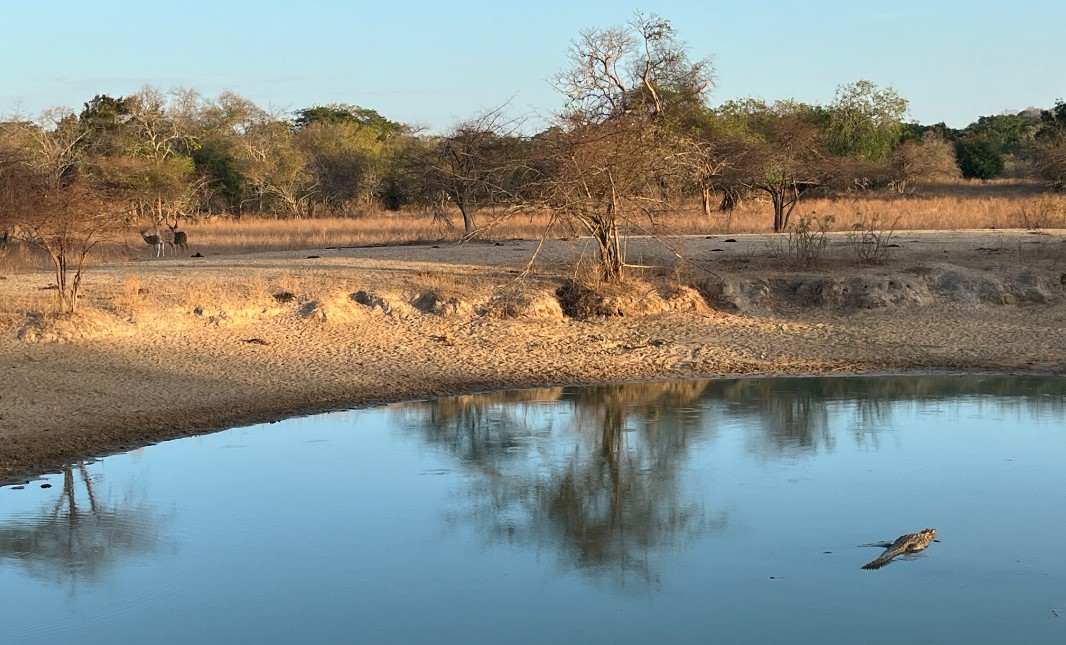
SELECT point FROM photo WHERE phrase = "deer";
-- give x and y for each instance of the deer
(154, 240)
(176, 238)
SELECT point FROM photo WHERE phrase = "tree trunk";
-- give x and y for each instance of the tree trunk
(59, 261)
(706, 193)
(611, 260)
(468, 217)
(779, 210)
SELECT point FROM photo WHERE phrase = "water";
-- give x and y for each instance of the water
(695, 512)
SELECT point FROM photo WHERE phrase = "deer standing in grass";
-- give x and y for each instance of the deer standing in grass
(154, 240)
(176, 238)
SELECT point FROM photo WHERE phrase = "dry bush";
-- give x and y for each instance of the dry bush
(261, 235)
(871, 238)
(807, 241)
(17, 303)
(223, 299)
(590, 298)
(519, 301)
(133, 295)
(1047, 212)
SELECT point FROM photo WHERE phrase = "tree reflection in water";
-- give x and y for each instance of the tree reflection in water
(594, 475)
(77, 537)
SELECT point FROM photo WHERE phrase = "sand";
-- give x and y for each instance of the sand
(164, 348)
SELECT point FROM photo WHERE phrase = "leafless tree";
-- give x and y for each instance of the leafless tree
(479, 162)
(611, 158)
(51, 203)
(929, 159)
(1051, 161)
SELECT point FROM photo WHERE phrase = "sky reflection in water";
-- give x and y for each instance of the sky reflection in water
(724, 511)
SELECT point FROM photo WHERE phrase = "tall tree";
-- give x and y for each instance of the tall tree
(780, 151)
(616, 143)
(864, 121)
(351, 152)
(221, 158)
(1051, 146)
(50, 202)
(479, 162)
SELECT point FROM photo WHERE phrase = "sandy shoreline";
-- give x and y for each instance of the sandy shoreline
(181, 347)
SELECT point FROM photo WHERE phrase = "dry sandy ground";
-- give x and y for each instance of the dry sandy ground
(171, 347)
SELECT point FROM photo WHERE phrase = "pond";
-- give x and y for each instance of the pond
(678, 512)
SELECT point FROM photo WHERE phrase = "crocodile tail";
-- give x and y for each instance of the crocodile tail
(876, 563)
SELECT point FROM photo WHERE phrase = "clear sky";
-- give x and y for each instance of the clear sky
(431, 63)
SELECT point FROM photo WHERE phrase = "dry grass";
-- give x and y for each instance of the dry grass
(949, 206)
(250, 235)
(946, 206)
(959, 205)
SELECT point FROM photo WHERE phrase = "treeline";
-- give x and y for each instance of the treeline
(1021, 145)
(634, 136)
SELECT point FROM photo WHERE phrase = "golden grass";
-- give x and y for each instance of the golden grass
(249, 235)
(945, 206)
(952, 206)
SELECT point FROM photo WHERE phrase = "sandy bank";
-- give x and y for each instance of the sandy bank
(177, 347)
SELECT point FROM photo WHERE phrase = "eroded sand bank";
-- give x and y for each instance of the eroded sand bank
(170, 348)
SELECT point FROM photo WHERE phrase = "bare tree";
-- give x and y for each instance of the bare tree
(609, 161)
(49, 202)
(479, 162)
(67, 222)
(1051, 161)
(929, 159)
(1050, 146)
(606, 178)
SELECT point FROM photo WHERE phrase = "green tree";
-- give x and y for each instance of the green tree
(779, 151)
(864, 121)
(994, 145)
(223, 159)
(352, 153)
(979, 159)
(340, 113)
(346, 160)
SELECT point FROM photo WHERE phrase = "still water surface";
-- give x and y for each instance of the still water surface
(693, 512)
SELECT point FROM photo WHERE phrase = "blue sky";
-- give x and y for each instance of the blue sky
(432, 63)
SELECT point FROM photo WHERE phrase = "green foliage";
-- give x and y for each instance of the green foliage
(916, 132)
(1007, 133)
(337, 114)
(979, 159)
(346, 158)
(104, 112)
(1053, 121)
(221, 170)
(864, 121)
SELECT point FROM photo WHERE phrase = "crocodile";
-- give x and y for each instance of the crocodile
(909, 543)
